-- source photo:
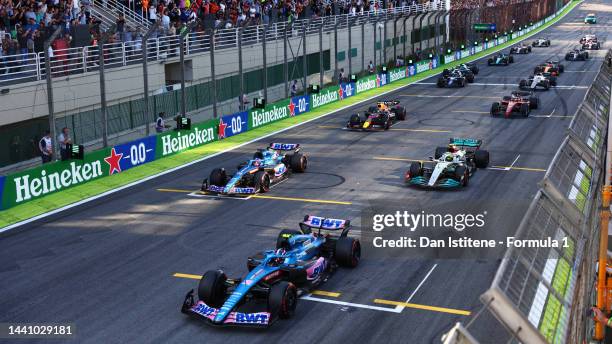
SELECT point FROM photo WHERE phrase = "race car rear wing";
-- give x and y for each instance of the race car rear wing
(466, 142)
(383, 105)
(285, 146)
(316, 222)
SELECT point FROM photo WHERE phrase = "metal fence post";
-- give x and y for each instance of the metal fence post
(103, 109)
(350, 45)
(305, 58)
(265, 62)
(240, 70)
(145, 74)
(374, 50)
(421, 31)
(362, 46)
(48, 76)
(321, 68)
(412, 41)
(285, 64)
(212, 72)
(405, 38)
(383, 42)
(394, 37)
(335, 50)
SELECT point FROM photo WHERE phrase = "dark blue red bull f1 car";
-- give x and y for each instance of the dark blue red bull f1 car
(268, 166)
(303, 259)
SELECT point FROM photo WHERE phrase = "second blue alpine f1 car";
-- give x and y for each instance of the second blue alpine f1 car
(303, 259)
(268, 166)
(500, 60)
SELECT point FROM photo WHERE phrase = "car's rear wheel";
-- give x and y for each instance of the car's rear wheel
(298, 163)
(440, 82)
(481, 158)
(212, 288)
(282, 241)
(348, 252)
(400, 113)
(525, 110)
(523, 83)
(415, 169)
(262, 182)
(373, 109)
(282, 300)
(494, 108)
(218, 177)
(534, 102)
(355, 119)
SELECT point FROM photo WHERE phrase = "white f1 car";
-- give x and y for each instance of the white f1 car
(541, 42)
(543, 80)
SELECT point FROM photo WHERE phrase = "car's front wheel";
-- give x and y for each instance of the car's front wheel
(262, 182)
(348, 252)
(282, 300)
(212, 288)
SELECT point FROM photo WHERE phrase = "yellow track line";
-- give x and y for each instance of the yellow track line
(325, 293)
(445, 96)
(394, 159)
(424, 307)
(395, 129)
(301, 199)
(522, 168)
(470, 111)
(314, 292)
(175, 190)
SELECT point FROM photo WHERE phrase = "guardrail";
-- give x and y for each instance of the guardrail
(25, 68)
(534, 292)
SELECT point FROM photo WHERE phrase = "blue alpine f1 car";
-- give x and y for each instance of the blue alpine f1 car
(500, 60)
(268, 166)
(303, 259)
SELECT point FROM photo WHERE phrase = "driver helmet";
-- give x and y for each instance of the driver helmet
(449, 158)
(280, 251)
(453, 148)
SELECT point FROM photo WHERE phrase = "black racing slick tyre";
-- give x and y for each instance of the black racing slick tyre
(481, 158)
(522, 84)
(400, 113)
(490, 62)
(372, 109)
(282, 241)
(534, 102)
(561, 68)
(282, 300)
(494, 108)
(525, 109)
(218, 177)
(470, 78)
(354, 120)
(439, 152)
(415, 169)
(348, 252)
(462, 175)
(511, 59)
(212, 288)
(298, 163)
(440, 83)
(262, 182)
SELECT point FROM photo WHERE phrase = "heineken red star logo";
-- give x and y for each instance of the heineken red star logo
(291, 108)
(222, 127)
(341, 93)
(113, 162)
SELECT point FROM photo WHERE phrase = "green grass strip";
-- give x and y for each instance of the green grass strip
(75, 194)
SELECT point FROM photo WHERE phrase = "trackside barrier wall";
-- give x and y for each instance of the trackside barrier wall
(24, 186)
(537, 292)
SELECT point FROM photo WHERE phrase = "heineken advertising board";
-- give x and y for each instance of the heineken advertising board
(175, 141)
(271, 113)
(367, 83)
(325, 96)
(397, 74)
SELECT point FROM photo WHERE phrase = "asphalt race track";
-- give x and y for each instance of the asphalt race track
(109, 266)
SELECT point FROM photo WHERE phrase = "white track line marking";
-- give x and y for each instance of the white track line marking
(399, 308)
(561, 87)
(350, 304)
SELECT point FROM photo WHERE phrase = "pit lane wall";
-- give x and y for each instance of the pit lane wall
(24, 186)
(541, 294)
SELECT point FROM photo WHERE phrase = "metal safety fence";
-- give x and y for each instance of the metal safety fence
(21, 68)
(540, 293)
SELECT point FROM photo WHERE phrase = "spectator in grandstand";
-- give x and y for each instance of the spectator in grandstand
(341, 76)
(64, 138)
(45, 146)
(371, 67)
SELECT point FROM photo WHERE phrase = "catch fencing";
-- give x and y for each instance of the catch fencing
(541, 294)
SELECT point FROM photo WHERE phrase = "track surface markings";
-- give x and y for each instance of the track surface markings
(392, 129)
(423, 307)
(560, 87)
(493, 167)
(314, 292)
(280, 198)
(400, 308)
